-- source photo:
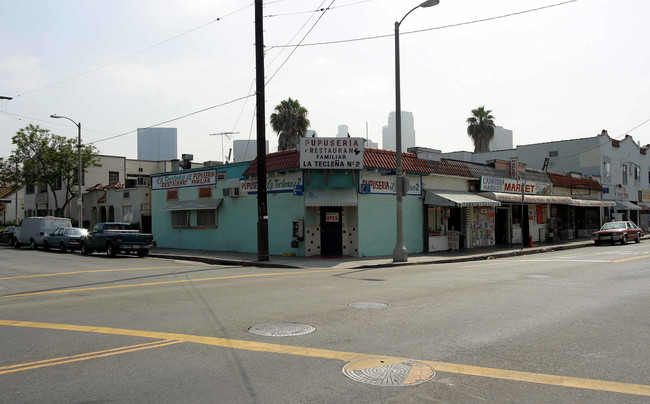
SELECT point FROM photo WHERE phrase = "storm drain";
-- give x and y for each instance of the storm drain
(369, 305)
(389, 372)
(281, 329)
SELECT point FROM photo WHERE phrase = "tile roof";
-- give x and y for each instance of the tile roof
(561, 180)
(386, 159)
(5, 191)
(278, 161)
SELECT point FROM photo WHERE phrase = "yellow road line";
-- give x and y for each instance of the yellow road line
(640, 257)
(82, 357)
(53, 292)
(89, 272)
(539, 378)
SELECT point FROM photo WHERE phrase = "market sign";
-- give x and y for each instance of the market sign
(291, 182)
(377, 183)
(181, 179)
(644, 195)
(332, 153)
(497, 184)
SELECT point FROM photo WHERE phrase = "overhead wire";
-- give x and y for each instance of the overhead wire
(427, 29)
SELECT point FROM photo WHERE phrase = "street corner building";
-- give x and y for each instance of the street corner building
(337, 198)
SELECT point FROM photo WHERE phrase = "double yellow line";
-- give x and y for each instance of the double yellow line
(82, 357)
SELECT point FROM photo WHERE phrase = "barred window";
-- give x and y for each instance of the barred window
(172, 194)
(181, 218)
(205, 192)
(206, 218)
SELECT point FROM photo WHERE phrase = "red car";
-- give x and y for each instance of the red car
(612, 232)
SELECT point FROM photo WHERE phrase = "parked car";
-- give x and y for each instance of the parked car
(65, 238)
(7, 235)
(32, 230)
(115, 237)
(613, 232)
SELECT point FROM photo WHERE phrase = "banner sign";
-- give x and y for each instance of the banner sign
(180, 180)
(291, 182)
(376, 183)
(495, 184)
(332, 153)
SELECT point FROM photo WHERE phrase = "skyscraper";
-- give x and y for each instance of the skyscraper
(157, 144)
(343, 131)
(408, 132)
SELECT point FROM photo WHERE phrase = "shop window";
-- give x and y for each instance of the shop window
(181, 218)
(436, 221)
(206, 218)
(172, 194)
(205, 192)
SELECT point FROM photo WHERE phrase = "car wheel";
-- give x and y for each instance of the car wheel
(32, 244)
(637, 239)
(624, 239)
(598, 242)
(46, 246)
(84, 249)
(110, 251)
(61, 247)
(16, 243)
(143, 253)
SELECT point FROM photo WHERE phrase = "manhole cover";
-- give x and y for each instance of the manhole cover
(389, 372)
(537, 276)
(281, 329)
(369, 305)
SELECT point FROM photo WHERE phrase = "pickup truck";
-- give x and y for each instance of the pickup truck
(114, 237)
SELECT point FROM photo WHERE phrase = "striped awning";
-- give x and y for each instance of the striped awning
(625, 205)
(199, 204)
(528, 199)
(586, 203)
(331, 197)
(456, 199)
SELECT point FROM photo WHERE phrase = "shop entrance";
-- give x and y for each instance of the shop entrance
(331, 234)
(501, 223)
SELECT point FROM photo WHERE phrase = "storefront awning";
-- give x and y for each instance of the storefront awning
(625, 205)
(456, 199)
(528, 199)
(200, 204)
(331, 197)
(644, 206)
(586, 203)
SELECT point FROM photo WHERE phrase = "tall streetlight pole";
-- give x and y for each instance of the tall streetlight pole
(400, 253)
(222, 134)
(79, 200)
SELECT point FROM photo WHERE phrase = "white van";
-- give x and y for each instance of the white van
(32, 230)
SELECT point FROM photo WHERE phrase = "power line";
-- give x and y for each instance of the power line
(319, 10)
(133, 54)
(427, 29)
(175, 119)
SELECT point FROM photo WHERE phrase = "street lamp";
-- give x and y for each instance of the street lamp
(79, 201)
(400, 253)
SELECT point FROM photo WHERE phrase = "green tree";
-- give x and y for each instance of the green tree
(290, 122)
(45, 159)
(480, 127)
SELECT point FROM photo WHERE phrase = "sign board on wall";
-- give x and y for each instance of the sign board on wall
(332, 217)
(376, 183)
(181, 180)
(291, 182)
(332, 153)
(496, 184)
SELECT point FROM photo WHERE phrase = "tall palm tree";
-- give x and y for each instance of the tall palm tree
(480, 127)
(290, 122)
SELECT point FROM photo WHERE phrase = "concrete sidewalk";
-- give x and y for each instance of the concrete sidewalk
(474, 254)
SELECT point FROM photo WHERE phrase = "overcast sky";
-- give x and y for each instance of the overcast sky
(560, 72)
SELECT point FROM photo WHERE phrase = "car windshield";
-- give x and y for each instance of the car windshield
(76, 232)
(614, 225)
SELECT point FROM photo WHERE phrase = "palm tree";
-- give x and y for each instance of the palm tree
(480, 127)
(290, 122)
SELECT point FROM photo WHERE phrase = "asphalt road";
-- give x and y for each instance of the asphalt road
(568, 326)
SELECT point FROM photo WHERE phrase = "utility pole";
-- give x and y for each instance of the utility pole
(262, 211)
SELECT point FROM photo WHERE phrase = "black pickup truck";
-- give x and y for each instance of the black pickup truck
(115, 237)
